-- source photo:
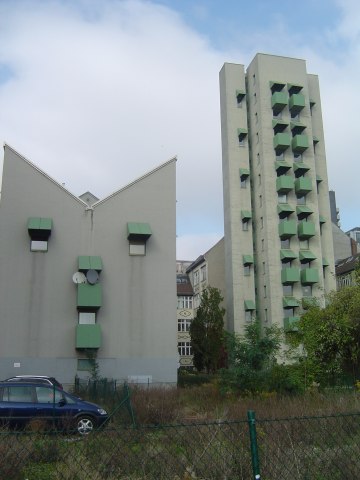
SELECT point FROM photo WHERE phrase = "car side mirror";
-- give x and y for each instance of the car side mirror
(62, 402)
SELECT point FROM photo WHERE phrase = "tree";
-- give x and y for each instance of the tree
(207, 331)
(331, 336)
(250, 358)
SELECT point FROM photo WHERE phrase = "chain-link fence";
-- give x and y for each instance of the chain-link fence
(303, 448)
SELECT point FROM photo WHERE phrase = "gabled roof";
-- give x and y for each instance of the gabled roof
(347, 264)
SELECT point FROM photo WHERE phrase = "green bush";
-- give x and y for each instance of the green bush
(286, 379)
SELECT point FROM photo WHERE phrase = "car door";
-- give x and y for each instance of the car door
(17, 403)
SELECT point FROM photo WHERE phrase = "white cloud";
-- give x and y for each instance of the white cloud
(102, 92)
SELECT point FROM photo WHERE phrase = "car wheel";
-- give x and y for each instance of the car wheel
(85, 425)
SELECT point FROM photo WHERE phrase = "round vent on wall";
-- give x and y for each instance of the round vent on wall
(92, 277)
(79, 277)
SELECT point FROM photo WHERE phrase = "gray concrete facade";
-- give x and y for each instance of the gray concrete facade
(253, 182)
(38, 298)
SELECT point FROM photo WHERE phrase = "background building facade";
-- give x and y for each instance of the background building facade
(277, 222)
(77, 280)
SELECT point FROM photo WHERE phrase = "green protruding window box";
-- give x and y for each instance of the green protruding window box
(284, 210)
(287, 254)
(279, 101)
(303, 211)
(248, 260)
(88, 336)
(322, 219)
(300, 143)
(306, 256)
(287, 229)
(325, 262)
(291, 324)
(89, 296)
(244, 173)
(284, 184)
(303, 185)
(297, 127)
(89, 263)
(281, 142)
(306, 230)
(300, 168)
(276, 86)
(282, 167)
(245, 215)
(315, 140)
(318, 179)
(309, 276)
(242, 134)
(39, 228)
(296, 103)
(138, 231)
(290, 275)
(249, 305)
(240, 94)
(312, 102)
(289, 302)
(279, 125)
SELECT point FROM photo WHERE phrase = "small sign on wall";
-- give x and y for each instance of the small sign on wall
(17, 365)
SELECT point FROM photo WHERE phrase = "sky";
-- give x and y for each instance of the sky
(98, 92)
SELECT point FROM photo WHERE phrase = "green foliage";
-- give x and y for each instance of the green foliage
(331, 336)
(207, 331)
(286, 379)
(250, 358)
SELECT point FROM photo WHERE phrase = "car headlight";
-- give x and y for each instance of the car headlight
(102, 411)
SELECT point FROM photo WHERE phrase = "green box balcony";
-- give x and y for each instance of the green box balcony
(291, 324)
(309, 276)
(300, 143)
(284, 184)
(296, 103)
(281, 142)
(287, 229)
(287, 254)
(306, 230)
(279, 101)
(290, 275)
(279, 126)
(303, 186)
(303, 211)
(88, 336)
(89, 296)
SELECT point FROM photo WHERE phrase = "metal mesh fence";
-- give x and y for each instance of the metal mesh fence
(316, 448)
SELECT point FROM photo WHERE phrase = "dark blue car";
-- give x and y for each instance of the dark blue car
(22, 402)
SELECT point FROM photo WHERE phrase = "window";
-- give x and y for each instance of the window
(277, 114)
(286, 264)
(254, 98)
(203, 273)
(297, 157)
(39, 229)
(137, 248)
(258, 157)
(38, 246)
(262, 244)
(184, 302)
(46, 395)
(295, 116)
(196, 277)
(87, 318)
(243, 182)
(282, 198)
(18, 394)
(262, 222)
(246, 270)
(305, 265)
(138, 235)
(263, 268)
(265, 315)
(256, 117)
(285, 243)
(257, 137)
(196, 300)
(259, 179)
(245, 226)
(307, 290)
(184, 324)
(265, 291)
(287, 290)
(288, 312)
(304, 244)
(301, 200)
(260, 200)
(248, 315)
(184, 348)
(279, 156)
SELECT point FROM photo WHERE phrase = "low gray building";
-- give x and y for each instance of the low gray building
(77, 285)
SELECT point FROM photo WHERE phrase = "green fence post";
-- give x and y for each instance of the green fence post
(253, 445)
